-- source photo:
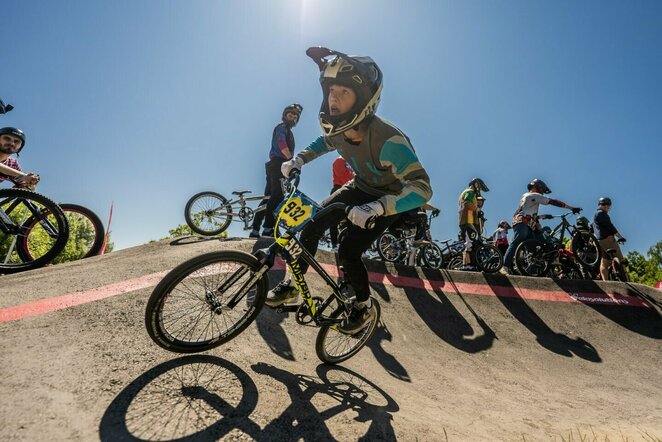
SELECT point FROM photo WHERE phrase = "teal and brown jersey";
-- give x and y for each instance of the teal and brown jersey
(385, 165)
(468, 202)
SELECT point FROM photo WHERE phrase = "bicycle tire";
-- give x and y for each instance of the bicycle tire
(11, 243)
(86, 234)
(456, 262)
(182, 302)
(529, 258)
(618, 273)
(200, 217)
(488, 258)
(586, 249)
(333, 347)
(388, 248)
(430, 255)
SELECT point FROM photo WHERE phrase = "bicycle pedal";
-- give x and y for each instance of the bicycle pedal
(286, 308)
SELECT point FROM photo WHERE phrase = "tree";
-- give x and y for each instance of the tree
(185, 230)
(646, 270)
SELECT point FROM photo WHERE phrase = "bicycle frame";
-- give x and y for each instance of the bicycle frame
(292, 252)
(6, 223)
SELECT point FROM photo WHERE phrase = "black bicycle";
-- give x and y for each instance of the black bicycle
(398, 245)
(210, 213)
(536, 256)
(484, 255)
(617, 267)
(33, 230)
(210, 299)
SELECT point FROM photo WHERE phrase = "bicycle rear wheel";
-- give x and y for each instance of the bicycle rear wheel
(617, 271)
(208, 213)
(530, 258)
(33, 223)
(333, 347)
(86, 235)
(188, 310)
(488, 258)
(430, 255)
(388, 247)
(586, 249)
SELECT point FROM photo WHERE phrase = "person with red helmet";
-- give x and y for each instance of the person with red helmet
(525, 220)
(12, 141)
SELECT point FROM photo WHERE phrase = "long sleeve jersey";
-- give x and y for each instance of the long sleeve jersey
(385, 165)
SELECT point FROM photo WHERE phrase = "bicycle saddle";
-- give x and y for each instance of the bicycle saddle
(241, 192)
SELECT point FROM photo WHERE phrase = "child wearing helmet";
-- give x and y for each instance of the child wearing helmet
(500, 236)
(389, 179)
(12, 141)
(469, 221)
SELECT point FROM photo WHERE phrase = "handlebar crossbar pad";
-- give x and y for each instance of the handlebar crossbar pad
(329, 209)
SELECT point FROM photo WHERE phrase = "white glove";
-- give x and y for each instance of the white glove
(362, 215)
(288, 166)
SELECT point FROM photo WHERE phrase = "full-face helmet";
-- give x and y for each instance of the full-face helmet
(359, 73)
(479, 184)
(604, 201)
(295, 108)
(538, 185)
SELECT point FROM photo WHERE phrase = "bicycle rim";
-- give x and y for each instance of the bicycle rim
(44, 242)
(186, 314)
(86, 234)
(529, 258)
(488, 258)
(388, 248)
(586, 249)
(333, 347)
(202, 213)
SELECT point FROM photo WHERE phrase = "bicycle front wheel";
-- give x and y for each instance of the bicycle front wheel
(33, 230)
(333, 347)
(208, 213)
(488, 258)
(190, 309)
(617, 271)
(388, 247)
(430, 255)
(530, 258)
(86, 235)
(586, 249)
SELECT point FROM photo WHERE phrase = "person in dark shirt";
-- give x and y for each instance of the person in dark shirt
(282, 149)
(606, 233)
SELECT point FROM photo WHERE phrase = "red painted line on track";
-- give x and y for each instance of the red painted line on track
(77, 298)
(73, 299)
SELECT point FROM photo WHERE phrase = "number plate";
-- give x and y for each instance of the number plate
(294, 212)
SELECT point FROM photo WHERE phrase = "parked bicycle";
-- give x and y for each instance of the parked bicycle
(485, 256)
(617, 268)
(208, 300)
(210, 213)
(33, 230)
(450, 250)
(398, 245)
(536, 256)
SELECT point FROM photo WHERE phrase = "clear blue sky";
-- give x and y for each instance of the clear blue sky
(145, 103)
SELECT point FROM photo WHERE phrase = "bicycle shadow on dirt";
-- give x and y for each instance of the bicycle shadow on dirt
(194, 239)
(204, 397)
(192, 398)
(344, 390)
(645, 320)
(440, 315)
(555, 342)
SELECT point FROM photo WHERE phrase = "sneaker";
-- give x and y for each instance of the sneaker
(357, 320)
(283, 293)
(506, 271)
(254, 234)
(268, 232)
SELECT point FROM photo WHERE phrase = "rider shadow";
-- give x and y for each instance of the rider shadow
(199, 397)
(348, 391)
(442, 317)
(385, 359)
(644, 320)
(555, 342)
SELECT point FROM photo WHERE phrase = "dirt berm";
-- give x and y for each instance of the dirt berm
(460, 356)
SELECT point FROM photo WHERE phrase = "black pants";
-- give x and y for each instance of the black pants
(333, 230)
(354, 242)
(259, 217)
(274, 176)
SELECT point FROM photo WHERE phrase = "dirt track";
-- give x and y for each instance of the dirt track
(447, 364)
